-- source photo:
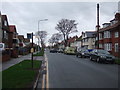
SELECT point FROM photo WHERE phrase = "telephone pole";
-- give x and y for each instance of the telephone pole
(98, 26)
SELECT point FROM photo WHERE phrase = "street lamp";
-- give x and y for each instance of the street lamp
(38, 29)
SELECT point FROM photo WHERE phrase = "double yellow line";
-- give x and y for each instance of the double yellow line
(45, 81)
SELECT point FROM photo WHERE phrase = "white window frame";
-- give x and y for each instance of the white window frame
(107, 34)
(116, 34)
(100, 46)
(108, 46)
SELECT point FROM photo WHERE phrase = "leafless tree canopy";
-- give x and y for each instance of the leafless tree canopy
(66, 26)
(41, 36)
(55, 38)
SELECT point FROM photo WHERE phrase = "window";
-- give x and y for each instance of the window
(86, 40)
(116, 47)
(0, 20)
(5, 23)
(116, 34)
(5, 35)
(107, 34)
(100, 36)
(108, 46)
(100, 46)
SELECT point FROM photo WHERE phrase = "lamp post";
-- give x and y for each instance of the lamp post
(38, 29)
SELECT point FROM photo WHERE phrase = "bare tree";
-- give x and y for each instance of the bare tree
(55, 38)
(41, 37)
(66, 26)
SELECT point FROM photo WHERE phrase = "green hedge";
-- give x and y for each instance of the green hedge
(117, 61)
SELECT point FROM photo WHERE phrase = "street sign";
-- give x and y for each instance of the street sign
(32, 50)
(29, 35)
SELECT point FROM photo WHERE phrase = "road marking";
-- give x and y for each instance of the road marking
(47, 73)
(43, 82)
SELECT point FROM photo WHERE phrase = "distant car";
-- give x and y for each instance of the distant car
(69, 50)
(60, 50)
(100, 55)
(53, 50)
(82, 53)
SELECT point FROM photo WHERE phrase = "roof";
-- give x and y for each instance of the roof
(70, 40)
(12, 28)
(90, 33)
(79, 38)
(117, 18)
(110, 27)
(21, 37)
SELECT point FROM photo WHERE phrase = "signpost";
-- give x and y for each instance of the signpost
(30, 36)
(32, 50)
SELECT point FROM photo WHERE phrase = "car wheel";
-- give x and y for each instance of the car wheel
(80, 56)
(91, 58)
(98, 60)
(76, 55)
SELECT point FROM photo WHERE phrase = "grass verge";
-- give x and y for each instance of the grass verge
(117, 61)
(20, 75)
(41, 53)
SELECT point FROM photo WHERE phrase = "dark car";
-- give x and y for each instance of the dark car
(100, 55)
(53, 50)
(83, 53)
(60, 51)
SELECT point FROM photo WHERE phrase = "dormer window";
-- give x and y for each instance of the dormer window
(106, 25)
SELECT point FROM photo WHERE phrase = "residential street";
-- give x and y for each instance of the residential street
(68, 71)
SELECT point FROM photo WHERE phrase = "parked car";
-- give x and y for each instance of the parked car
(69, 50)
(60, 50)
(82, 53)
(100, 55)
(53, 50)
(2, 46)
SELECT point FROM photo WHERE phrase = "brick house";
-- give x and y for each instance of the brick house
(5, 30)
(71, 41)
(12, 34)
(109, 36)
(21, 40)
(4, 37)
(0, 27)
(11, 44)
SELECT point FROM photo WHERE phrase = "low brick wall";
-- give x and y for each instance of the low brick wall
(5, 57)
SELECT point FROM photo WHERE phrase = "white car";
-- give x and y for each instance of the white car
(2, 46)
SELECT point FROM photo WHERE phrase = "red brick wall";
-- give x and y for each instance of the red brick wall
(5, 57)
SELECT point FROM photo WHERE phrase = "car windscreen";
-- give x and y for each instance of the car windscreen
(103, 52)
(1, 45)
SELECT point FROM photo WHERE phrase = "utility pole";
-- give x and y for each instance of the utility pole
(32, 50)
(98, 26)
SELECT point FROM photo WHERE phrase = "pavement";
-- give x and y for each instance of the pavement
(14, 61)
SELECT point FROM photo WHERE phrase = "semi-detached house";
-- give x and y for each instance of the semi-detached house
(109, 36)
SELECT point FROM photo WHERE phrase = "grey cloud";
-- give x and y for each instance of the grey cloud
(25, 15)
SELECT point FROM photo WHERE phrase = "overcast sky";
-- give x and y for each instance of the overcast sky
(25, 15)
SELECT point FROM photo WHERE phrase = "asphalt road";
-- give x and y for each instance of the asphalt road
(68, 71)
